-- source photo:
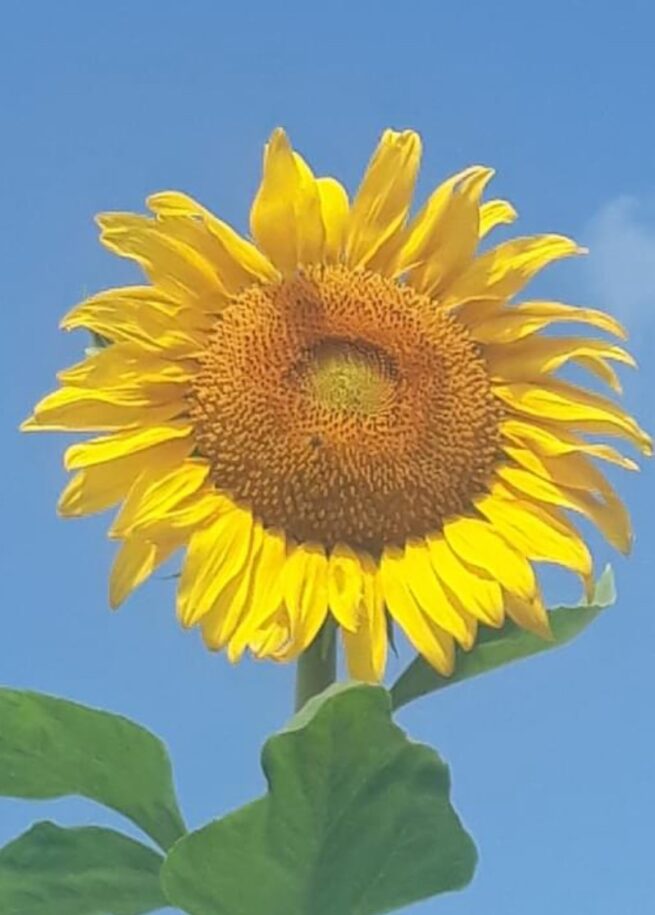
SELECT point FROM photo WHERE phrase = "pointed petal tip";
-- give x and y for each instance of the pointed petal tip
(278, 139)
(116, 599)
(31, 424)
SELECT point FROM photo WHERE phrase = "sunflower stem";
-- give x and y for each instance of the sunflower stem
(317, 666)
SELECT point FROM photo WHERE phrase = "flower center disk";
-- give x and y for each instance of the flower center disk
(342, 407)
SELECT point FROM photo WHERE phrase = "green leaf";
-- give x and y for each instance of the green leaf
(497, 647)
(357, 820)
(50, 747)
(86, 871)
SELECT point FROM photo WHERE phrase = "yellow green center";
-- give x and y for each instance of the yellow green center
(350, 377)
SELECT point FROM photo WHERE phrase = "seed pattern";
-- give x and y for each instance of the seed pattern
(343, 407)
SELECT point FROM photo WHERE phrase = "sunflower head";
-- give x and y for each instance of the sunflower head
(349, 415)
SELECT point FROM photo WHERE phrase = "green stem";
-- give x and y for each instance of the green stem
(317, 666)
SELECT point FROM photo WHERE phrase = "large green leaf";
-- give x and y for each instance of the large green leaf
(86, 871)
(357, 820)
(497, 647)
(50, 747)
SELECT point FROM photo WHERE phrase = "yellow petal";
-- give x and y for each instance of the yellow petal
(429, 640)
(530, 615)
(306, 592)
(477, 310)
(110, 447)
(575, 407)
(431, 596)
(554, 443)
(286, 219)
(156, 492)
(272, 638)
(537, 533)
(608, 514)
(201, 508)
(345, 584)
(95, 489)
(100, 486)
(532, 358)
(175, 268)
(135, 561)
(382, 202)
(238, 262)
(479, 545)
(599, 367)
(216, 554)
(572, 470)
(495, 213)
(266, 595)
(443, 238)
(234, 600)
(128, 372)
(72, 409)
(527, 318)
(142, 315)
(366, 648)
(479, 594)
(505, 270)
(335, 211)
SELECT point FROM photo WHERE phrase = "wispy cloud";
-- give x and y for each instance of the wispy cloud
(621, 262)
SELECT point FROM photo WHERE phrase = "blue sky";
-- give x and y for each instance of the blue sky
(101, 104)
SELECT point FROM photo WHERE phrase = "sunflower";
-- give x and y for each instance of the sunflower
(349, 416)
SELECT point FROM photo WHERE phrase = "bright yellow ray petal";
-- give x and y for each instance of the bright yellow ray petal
(96, 489)
(286, 219)
(530, 615)
(530, 359)
(571, 470)
(345, 584)
(216, 554)
(527, 318)
(272, 638)
(173, 266)
(602, 369)
(477, 310)
(436, 646)
(266, 594)
(551, 443)
(110, 447)
(306, 592)
(479, 594)
(495, 213)
(238, 262)
(479, 545)
(382, 202)
(335, 211)
(72, 409)
(575, 407)
(431, 596)
(100, 486)
(609, 514)
(366, 648)
(536, 532)
(143, 315)
(135, 561)
(234, 599)
(505, 270)
(443, 238)
(158, 491)
(125, 368)
(201, 508)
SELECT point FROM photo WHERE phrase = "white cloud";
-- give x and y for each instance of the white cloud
(621, 263)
